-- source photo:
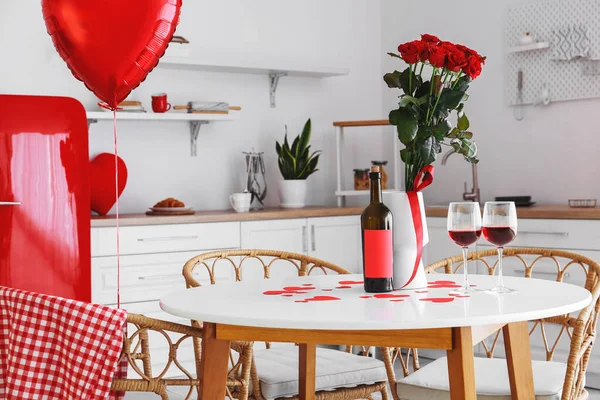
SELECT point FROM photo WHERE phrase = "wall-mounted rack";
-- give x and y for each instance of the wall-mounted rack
(195, 120)
(340, 128)
(274, 70)
(528, 47)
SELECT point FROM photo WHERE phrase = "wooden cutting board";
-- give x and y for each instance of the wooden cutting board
(169, 213)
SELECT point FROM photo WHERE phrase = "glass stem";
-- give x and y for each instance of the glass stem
(500, 280)
(465, 251)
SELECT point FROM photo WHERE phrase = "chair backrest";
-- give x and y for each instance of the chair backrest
(236, 264)
(563, 266)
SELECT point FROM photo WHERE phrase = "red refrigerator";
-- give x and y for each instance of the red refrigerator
(44, 196)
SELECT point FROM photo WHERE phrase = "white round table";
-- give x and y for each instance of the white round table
(335, 309)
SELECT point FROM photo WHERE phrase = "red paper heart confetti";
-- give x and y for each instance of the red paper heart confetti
(366, 297)
(323, 298)
(301, 301)
(287, 295)
(421, 291)
(442, 283)
(307, 284)
(391, 296)
(297, 288)
(351, 282)
(439, 299)
(343, 287)
(396, 301)
(327, 290)
(459, 296)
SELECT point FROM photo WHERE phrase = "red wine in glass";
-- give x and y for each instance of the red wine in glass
(499, 236)
(464, 238)
(464, 228)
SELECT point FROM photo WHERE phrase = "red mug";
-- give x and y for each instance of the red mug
(159, 103)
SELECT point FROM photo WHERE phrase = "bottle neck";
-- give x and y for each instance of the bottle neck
(376, 191)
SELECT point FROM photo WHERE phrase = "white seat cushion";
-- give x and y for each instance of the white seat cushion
(278, 370)
(491, 380)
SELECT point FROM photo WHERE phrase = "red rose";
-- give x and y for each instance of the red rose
(430, 38)
(473, 68)
(411, 51)
(437, 56)
(471, 53)
(423, 50)
(456, 60)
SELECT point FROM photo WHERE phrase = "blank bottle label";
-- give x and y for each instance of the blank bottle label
(379, 253)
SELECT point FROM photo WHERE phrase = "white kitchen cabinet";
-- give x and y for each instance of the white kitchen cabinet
(282, 234)
(337, 240)
(333, 239)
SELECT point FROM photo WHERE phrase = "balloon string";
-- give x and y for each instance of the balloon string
(117, 207)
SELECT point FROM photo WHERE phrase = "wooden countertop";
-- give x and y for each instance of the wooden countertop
(226, 216)
(535, 212)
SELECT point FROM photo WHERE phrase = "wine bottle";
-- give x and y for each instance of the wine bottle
(377, 240)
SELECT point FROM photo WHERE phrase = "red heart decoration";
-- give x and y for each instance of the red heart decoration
(111, 45)
(102, 182)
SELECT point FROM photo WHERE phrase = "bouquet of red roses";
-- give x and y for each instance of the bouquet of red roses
(422, 116)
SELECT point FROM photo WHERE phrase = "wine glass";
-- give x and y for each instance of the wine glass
(464, 228)
(500, 228)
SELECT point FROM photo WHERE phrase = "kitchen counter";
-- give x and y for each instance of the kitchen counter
(225, 216)
(535, 212)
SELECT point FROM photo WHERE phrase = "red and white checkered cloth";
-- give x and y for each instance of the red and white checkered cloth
(55, 348)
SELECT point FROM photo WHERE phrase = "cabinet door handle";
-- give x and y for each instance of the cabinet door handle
(304, 240)
(563, 234)
(155, 277)
(10, 203)
(312, 238)
(553, 274)
(167, 238)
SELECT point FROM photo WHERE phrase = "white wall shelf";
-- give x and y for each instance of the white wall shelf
(195, 120)
(528, 47)
(340, 128)
(273, 69)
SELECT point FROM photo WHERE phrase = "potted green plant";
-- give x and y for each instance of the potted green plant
(296, 164)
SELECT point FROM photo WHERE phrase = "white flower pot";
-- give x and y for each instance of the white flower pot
(405, 241)
(292, 193)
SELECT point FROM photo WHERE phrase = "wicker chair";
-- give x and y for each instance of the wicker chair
(580, 329)
(269, 263)
(136, 351)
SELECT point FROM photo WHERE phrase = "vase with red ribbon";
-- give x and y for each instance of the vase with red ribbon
(434, 86)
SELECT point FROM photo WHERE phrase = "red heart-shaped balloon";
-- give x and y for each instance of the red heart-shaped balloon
(111, 45)
(102, 179)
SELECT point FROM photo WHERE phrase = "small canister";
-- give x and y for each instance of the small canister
(361, 179)
(384, 177)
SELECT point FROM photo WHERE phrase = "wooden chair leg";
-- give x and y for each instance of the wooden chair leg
(213, 364)
(518, 359)
(307, 369)
(461, 368)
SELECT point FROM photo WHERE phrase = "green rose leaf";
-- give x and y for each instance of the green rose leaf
(393, 79)
(450, 99)
(429, 150)
(405, 156)
(409, 86)
(465, 135)
(423, 91)
(463, 122)
(406, 124)
(463, 83)
(441, 130)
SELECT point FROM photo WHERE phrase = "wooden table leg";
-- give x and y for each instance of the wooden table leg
(307, 367)
(518, 359)
(213, 364)
(461, 369)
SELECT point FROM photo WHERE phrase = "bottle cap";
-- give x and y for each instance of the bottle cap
(375, 169)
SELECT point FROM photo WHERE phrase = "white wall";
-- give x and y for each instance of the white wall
(336, 33)
(552, 154)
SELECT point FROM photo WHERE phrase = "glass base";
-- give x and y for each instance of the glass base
(466, 290)
(501, 290)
